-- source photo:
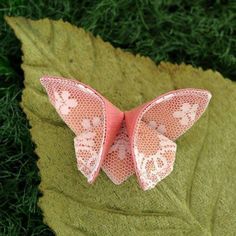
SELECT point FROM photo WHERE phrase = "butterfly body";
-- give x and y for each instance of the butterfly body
(139, 141)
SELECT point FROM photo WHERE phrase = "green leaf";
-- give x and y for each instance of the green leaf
(198, 198)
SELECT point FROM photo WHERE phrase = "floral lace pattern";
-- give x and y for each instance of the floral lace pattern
(153, 168)
(85, 146)
(118, 164)
(88, 125)
(150, 168)
(63, 102)
(121, 145)
(160, 128)
(186, 114)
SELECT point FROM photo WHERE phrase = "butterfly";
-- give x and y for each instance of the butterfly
(139, 141)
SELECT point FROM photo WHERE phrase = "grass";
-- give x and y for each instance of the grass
(201, 33)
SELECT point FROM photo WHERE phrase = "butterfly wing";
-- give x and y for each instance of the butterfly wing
(118, 163)
(172, 114)
(90, 116)
(153, 127)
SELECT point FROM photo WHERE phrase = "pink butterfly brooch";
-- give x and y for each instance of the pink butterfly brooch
(138, 141)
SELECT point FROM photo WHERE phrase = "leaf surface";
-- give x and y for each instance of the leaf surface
(198, 198)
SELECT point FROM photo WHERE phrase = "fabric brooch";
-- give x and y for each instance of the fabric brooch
(138, 141)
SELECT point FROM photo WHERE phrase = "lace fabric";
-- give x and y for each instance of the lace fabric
(140, 141)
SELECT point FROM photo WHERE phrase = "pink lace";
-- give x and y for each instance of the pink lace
(139, 141)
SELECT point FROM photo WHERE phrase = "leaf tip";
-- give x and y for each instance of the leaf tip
(12, 20)
(8, 19)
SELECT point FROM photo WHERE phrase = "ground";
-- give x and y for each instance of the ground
(201, 33)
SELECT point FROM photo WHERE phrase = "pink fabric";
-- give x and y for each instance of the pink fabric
(139, 141)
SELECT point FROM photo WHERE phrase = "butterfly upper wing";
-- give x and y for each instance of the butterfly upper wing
(154, 125)
(172, 114)
(92, 118)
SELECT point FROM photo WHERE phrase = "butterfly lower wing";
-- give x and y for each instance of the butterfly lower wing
(89, 115)
(118, 163)
(154, 155)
